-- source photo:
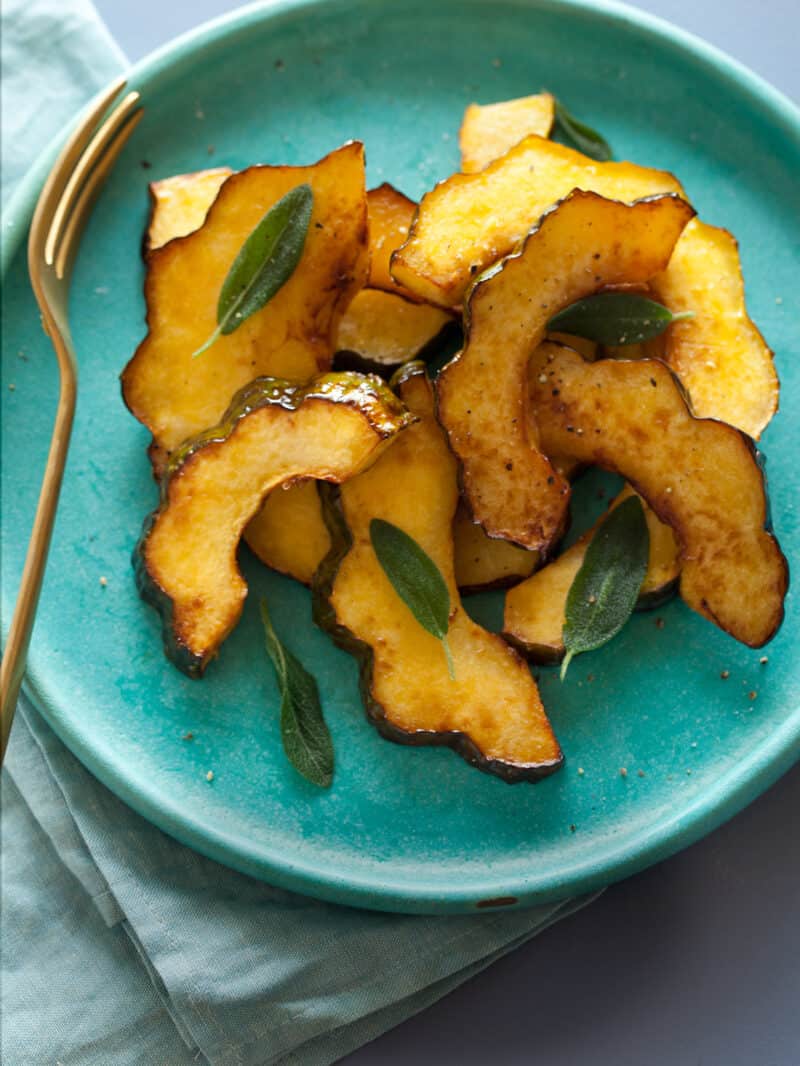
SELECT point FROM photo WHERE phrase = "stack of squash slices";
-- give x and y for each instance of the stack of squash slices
(318, 415)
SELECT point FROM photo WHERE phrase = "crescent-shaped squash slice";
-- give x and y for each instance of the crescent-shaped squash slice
(535, 609)
(491, 714)
(179, 204)
(488, 131)
(177, 396)
(719, 355)
(274, 432)
(390, 217)
(482, 563)
(700, 477)
(469, 221)
(381, 330)
(579, 247)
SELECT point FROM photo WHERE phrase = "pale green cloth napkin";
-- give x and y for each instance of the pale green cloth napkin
(119, 945)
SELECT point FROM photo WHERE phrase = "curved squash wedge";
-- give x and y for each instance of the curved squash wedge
(491, 714)
(179, 204)
(512, 489)
(535, 609)
(381, 330)
(390, 217)
(273, 433)
(489, 131)
(469, 221)
(289, 533)
(699, 476)
(719, 355)
(482, 563)
(177, 396)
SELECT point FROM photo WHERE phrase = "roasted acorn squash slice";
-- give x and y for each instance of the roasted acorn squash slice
(535, 608)
(380, 331)
(482, 563)
(177, 396)
(469, 221)
(179, 204)
(491, 714)
(273, 433)
(719, 355)
(390, 217)
(489, 131)
(700, 477)
(582, 245)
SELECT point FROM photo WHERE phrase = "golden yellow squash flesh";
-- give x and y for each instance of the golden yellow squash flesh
(469, 221)
(699, 476)
(489, 131)
(179, 204)
(385, 330)
(273, 433)
(491, 713)
(584, 244)
(176, 396)
(719, 355)
(535, 609)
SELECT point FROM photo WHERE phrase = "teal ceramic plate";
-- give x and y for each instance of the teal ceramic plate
(402, 828)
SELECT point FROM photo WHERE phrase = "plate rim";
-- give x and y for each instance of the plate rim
(735, 789)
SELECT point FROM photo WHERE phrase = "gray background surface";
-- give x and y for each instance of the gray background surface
(697, 961)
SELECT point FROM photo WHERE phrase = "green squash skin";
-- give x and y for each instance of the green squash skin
(325, 617)
(385, 412)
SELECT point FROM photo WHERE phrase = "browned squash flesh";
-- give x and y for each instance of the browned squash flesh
(512, 489)
(489, 130)
(483, 563)
(700, 477)
(289, 533)
(390, 216)
(535, 609)
(470, 221)
(273, 433)
(179, 204)
(719, 355)
(385, 330)
(491, 713)
(176, 396)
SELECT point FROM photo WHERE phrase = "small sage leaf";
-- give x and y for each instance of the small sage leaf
(415, 578)
(616, 318)
(604, 592)
(306, 739)
(585, 139)
(265, 262)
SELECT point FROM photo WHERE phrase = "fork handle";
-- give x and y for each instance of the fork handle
(12, 667)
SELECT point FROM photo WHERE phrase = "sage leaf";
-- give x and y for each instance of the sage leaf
(616, 318)
(265, 262)
(416, 579)
(306, 739)
(583, 137)
(604, 592)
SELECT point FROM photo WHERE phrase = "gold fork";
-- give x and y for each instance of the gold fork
(63, 208)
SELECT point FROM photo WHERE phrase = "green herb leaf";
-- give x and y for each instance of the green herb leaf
(604, 592)
(306, 739)
(616, 318)
(265, 263)
(584, 138)
(416, 579)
